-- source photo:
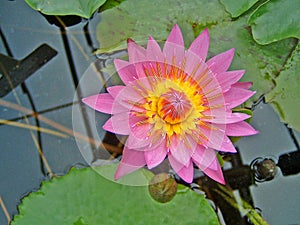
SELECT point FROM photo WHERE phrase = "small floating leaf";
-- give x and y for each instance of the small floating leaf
(83, 197)
(83, 8)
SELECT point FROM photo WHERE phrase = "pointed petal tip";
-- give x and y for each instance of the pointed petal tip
(175, 36)
(221, 181)
(186, 174)
(187, 179)
(90, 101)
(84, 100)
(116, 177)
(150, 38)
(252, 132)
(215, 175)
(231, 50)
(129, 40)
(205, 32)
(176, 26)
(200, 45)
(118, 174)
(243, 85)
(242, 71)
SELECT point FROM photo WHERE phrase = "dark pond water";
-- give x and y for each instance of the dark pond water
(51, 92)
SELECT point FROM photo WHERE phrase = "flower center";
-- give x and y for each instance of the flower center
(173, 106)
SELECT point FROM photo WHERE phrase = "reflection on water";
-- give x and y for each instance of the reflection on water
(51, 97)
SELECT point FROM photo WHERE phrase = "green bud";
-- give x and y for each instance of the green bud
(162, 187)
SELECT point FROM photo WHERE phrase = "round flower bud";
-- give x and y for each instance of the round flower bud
(162, 187)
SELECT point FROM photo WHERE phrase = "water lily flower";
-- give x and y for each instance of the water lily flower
(175, 105)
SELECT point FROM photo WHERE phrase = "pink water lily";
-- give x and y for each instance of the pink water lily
(175, 105)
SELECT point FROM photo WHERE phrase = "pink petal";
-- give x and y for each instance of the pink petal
(136, 53)
(240, 129)
(236, 96)
(137, 143)
(126, 71)
(214, 114)
(104, 103)
(156, 156)
(216, 175)
(195, 66)
(181, 150)
(227, 118)
(129, 98)
(140, 69)
(139, 137)
(153, 51)
(244, 85)
(139, 128)
(217, 139)
(174, 46)
(131, 161)
(205, 157)
(115, 90)
(227, 146)
(118, 124)
(210, 85)
(214, 171)
(220, 63)
(200, 45)
(175, 36)
(101, 102)
(185, 172)
(226, 79)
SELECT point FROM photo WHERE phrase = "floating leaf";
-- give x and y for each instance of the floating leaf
(110, 4)
(261, 63)
(114, 30)
(83, 197)
(83, 8)
(237, 8)
(275, 20)
(285, 96)
(156, 19)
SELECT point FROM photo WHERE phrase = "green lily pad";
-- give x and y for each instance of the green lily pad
(155, 18)
(83, 197)
(83, 8)
(276, 20)
(237, 8)
(261, 63)
(110, 4)
(285, 96)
